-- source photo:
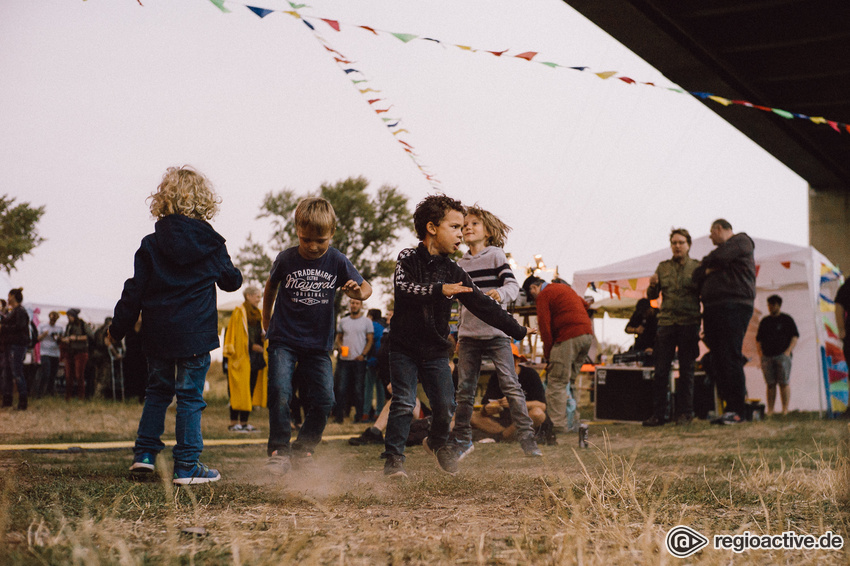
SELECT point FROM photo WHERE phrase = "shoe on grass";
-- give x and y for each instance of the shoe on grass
(464, 449)
(302, 460)
(249, 428)
(235, 428)
(529, 446)
(371, 435)
(278, 464)
(143, 464)
(394, 467)
(198, 473)
(445, 455)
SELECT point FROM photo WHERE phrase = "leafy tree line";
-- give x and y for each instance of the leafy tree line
(18, 231)
(368, 228)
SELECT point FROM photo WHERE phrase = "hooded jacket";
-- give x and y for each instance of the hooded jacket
(176, 270)
(732, 277)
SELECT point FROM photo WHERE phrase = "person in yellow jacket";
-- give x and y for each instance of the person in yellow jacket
(244, 348)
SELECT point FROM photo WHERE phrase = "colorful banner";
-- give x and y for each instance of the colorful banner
(835, 369)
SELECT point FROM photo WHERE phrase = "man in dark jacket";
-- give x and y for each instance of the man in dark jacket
(426, 281)
(727, 281)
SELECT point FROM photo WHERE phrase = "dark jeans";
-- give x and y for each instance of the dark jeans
(13, 371)
(373, 388)
(351, 378)
(75, 374)
(184, 377)
(47, 376)
(316, 392)
(436, 378)
(725, 325)
(685, 339)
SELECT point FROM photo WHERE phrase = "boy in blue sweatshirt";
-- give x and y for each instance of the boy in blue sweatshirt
(425, 283)
(176, 270)
(486, 264)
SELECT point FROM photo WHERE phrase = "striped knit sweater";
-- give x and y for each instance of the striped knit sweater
(489, 270)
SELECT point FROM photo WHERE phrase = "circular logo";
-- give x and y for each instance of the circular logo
(683, 541)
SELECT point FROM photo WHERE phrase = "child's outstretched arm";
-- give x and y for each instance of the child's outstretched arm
(361, 292)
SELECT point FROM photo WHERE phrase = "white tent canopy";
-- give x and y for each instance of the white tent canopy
(790, 271)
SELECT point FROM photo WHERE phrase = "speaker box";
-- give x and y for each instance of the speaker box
(623, 393)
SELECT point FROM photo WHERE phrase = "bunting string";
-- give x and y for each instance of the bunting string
(532, 57)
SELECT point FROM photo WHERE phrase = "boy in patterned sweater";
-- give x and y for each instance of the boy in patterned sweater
(486, 264)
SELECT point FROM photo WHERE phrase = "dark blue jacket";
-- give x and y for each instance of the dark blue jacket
(175, 273)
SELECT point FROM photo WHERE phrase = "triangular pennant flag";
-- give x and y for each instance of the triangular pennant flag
(374, 100)
(358, 81)
(627, 80)
(818, 120)
(309, 25)
(606, 74)
(833, 125)
(333, 50)
(405, 143)
(758, 267)
(783, 113)
(350, 70)
(343, 61)
(432, 39)
(405, 37)
(297, 6)
(220, 5)
(367, 28)
(293, 14)
(465, 47)
(549, 64)
(579, 68)
(499, 53)
(633, 284)
(702, 95)
(333, 23)
(786, 264)
(397, 132)
(262, 12)
(391, 125)
(382, 111)
(528, 55)
(370, 89)
(721, 100)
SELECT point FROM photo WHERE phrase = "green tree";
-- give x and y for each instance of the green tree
(18, 232)
(368, 228)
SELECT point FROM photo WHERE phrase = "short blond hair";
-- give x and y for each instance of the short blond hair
(316, 213)
(185, 191)
(251, 290)
(496, 229)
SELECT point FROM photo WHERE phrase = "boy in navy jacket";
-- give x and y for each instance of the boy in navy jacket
(176, 270)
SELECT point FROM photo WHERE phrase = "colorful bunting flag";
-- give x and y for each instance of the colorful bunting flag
(220, 5)
(262, 12)
(405, 37)
(333, 23)
(528, 55)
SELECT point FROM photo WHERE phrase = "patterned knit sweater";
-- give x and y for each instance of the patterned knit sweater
(488, 269)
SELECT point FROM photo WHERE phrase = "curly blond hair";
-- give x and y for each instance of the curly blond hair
(185, 191)
(496, 230)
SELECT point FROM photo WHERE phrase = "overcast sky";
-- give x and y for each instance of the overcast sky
(98, 97)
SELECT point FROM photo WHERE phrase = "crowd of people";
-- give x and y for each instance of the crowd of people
(285, 345)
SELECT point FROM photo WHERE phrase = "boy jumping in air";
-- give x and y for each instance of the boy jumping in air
(175, 273)
(486, 264)
(425, 282)
(301, 286)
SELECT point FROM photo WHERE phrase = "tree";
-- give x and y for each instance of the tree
(367, 228)
(18, 232)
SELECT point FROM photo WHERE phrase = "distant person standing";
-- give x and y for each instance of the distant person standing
(678, 329)
(373, 385)
(244, 348)
(727, 281)
(776, 338)
(15, 335)
(644, 325)
(354, 337)
(49, 334)
(78, 336)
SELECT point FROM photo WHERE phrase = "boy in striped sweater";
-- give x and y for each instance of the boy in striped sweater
(486, 264)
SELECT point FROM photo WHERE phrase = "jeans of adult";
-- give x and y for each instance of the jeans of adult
(436, 378)
(316, 392)
(168, 377)
(351, 375)
(685, 339)
(725, 325)
(75, 374)
(565, 361)
(13, 363)
(470, 352)
(47, 376)
(373, 389)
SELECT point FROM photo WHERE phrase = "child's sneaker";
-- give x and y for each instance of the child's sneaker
(394, 467)
(143, 464)
(278, 464)
(445, 455)
(199, 473)
(529, 446)
(302, 461)
(249, 428)
(236, 428)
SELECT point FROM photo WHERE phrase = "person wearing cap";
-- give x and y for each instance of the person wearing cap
(494, 418)
(78, 336)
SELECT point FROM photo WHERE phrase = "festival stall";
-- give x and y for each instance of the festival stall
(807, 282)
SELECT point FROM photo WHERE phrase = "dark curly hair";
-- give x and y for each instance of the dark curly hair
(433, 208)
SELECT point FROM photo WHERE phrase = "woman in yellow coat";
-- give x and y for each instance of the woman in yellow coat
(245, 351)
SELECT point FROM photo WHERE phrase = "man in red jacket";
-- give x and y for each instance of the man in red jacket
(567, 333)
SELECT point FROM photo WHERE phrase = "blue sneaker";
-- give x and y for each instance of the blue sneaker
(143, 463)
(199, 473)
(464, 449)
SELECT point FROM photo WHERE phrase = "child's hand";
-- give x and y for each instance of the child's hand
(352, 289)
(529, 331)
(494, 294)
(450, 289)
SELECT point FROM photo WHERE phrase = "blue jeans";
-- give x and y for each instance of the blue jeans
(184, 377)
(351, 375)
(13, 364)
(373, 384)
(46, 383)
(436, 378)
(316, 392)
(725, 325)
(685, 339)
(470, 352)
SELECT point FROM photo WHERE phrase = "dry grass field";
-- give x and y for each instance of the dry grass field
(611, 503)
